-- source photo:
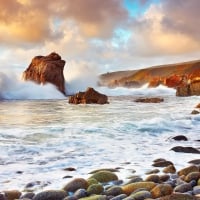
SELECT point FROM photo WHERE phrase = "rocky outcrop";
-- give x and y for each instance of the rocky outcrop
(90, 96)
(150, 100)
(47, 69)
(185, 149)
(189, 89)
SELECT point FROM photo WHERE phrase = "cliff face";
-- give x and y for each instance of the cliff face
(173, 75)
(47, 69)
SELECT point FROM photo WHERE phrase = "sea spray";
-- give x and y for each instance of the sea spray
(13, 88)
(142, 91)
(79, 76)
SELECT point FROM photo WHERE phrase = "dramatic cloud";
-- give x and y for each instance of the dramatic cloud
(168, 28)
(105, 34)
(31, 20)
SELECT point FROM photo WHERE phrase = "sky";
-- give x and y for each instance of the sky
(102, 35)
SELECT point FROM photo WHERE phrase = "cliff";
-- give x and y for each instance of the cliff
(172, 75)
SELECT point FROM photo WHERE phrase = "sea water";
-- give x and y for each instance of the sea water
(41, 134)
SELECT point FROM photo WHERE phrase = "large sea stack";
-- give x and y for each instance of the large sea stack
(47, 69)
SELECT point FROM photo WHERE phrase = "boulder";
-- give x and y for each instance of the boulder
(180, 138)
(46, 69)
(150, 100)
(185, 149)
(90, 96)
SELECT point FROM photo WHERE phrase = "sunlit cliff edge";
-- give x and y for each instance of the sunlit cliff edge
(178, 75)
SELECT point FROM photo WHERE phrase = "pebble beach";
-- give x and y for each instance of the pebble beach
(163, 182)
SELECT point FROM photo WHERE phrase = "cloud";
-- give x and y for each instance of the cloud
(30, 21)
(168, 28)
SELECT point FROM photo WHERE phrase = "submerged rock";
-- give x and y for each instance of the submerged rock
(150, 100)
(46, 69)
(180, 138)
(185, 149)
(90, 96)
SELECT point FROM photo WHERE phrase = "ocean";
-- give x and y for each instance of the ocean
(41, 134)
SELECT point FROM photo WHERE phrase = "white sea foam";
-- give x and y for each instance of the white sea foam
(12, 88)
(144, 91)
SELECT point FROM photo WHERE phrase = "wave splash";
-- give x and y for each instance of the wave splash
(161, 90)
(13, 88)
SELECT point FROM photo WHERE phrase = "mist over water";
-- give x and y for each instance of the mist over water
(79, 78)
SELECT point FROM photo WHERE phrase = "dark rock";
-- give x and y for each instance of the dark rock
(178, 196)
(153, 171)
(12, 194)
(164, 177)
(153, 177)
(150, 100)
(114, 191)
(196, 189)
(140, 195)
(95, 189)
(169, 169)
(46, 69)
(104, 176)
(195, 112)
(50, 195)
(187, 170)
(161, 190)
(76, 184)
(180, 138)
(70, 198)
(67, 176)
(162, 163)
(90, 96)
(119, 197)
(135, 179)
(195, 162)
(2, 196)
(28, 195)
(159, 160)
(128, 189)
(185, 149)
(69, 169)
(95, 197)
(198, 106)
(183, 188)
(80, 193)
(192, 176)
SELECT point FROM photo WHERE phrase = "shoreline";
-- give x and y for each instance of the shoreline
(163, 182)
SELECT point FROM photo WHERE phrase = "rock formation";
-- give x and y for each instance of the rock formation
(150, 100)
(189, 89)
(47, 69)
(90, 96)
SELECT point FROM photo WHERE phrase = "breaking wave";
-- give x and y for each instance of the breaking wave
(13, 88)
